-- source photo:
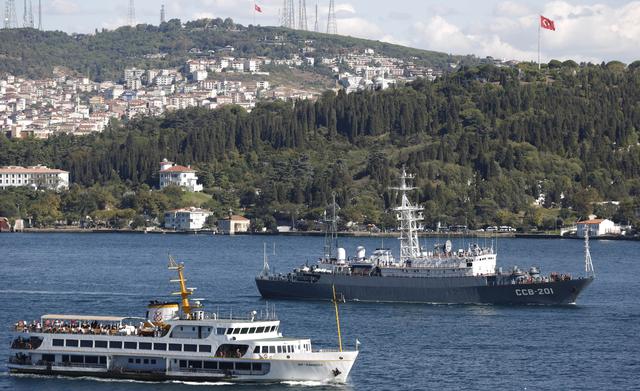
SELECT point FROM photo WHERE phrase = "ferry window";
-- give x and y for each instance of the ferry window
(58, 342)
(195, 364)
(65, 358)
(137, 361)
(86, 343)
(252, 330)
(220, 331)
(273, 328)
(103, 359)
(130, 361)
(115, 344)
(145, 361)
(190, 348)
(144, 345)
(159, 346)
(229, 331)
(272, 349)
(71, 342)
(101, 344)
(183, 363)
(91, 359)
(130, 345)
(256, 366)
(244, 330)
(49, 357)
(226, 365)
(279, 349)
(153, 361)
(77, 359)
(204, 348)
(243, 366)
(265, 349)
(236, 331)
(256, 349)
(175, 347)
(193, 329)
(210, 365)
(260, 330)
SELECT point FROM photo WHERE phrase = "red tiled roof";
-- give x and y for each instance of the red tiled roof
(178, 168)
(30, 170)
(592, 221)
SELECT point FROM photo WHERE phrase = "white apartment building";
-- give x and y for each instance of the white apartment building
(173, 174)
(36, 176)
(187, 219)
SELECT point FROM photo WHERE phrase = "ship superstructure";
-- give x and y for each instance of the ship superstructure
(443, 275)
(174, 341)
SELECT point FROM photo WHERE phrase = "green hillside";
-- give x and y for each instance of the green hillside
(483, 141)
(104, 54)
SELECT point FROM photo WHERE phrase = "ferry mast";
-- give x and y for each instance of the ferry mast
(408, 216)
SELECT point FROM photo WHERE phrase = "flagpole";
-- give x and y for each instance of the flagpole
(539, 29)
(254, 13)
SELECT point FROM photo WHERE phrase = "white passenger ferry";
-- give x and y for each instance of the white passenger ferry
(175, 341)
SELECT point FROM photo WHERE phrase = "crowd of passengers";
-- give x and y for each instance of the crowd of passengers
(77, 327)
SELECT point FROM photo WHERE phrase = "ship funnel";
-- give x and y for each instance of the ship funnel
(360, 252)
(160, 311)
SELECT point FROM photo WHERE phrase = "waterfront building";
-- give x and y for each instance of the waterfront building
(173, 174)
(35, 176)
(597, 227)
(233, 224)
(186, 219)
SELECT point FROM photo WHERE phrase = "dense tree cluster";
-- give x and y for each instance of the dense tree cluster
(483, 141)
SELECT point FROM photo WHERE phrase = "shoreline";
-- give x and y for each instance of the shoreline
(317, 233)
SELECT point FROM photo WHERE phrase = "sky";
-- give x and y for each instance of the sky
(586, 30)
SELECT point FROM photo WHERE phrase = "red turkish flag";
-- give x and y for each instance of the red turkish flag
(257, 7)
(547, 23)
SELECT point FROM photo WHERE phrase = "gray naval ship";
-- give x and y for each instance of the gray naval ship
(440, 276)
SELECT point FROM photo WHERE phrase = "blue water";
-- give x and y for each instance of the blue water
(594, 345)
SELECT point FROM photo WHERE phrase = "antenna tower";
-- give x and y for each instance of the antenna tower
(39, 14)
(332, 24)
(27, 16)
(315, 27)
(162, 14)
(10, 17)
(302, 15)
(132, 13)
(408, 215)
(288, 15)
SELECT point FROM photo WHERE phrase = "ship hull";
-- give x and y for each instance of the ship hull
(446, 290)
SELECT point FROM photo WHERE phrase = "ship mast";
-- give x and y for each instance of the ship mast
(588, 265)
(331, 233)
(184, 291)
(408, 215)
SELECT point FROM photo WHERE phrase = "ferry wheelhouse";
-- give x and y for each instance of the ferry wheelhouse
(175, 341)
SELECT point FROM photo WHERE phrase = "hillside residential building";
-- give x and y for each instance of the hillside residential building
(233, 224)
(35, 176)
(173, 174)
(597, 227)
(187, 219)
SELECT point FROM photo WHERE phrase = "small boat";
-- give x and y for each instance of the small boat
(174, 341)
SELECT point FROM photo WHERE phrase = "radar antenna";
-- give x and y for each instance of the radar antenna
(588, 265)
